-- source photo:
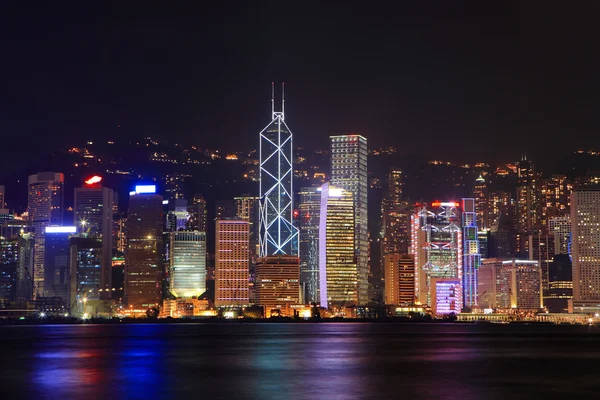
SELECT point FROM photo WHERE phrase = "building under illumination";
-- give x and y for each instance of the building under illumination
(94, 207)
(57, 273)
(349, 172)
(309, 212)
(85, 268)
(446, 296)
(339, 275)
(399, 277)
(560, 227)
(471, 255)
(585, 222)
(437, 243)
(519, 285)
(197, 217)
(45, 208)
(528, 203)
(278, 284)
(187, 263)
(232, 258)
(277, 233)
(395, 217)
(482, 203)
(143, 266)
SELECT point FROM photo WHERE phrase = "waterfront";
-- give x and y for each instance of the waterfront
(312, 360)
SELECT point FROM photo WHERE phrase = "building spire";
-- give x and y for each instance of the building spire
(272, 99)
(283, 100)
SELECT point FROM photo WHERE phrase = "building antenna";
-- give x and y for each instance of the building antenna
(272, 99)
(282, 100)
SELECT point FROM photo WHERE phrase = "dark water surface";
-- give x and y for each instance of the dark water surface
(309, 361)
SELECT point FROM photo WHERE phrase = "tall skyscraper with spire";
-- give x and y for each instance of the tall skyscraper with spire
(349, 172)
(277, 234)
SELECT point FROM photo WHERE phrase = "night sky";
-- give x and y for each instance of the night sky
(458, 81)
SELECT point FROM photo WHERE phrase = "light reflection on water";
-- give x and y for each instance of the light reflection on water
(313, 361)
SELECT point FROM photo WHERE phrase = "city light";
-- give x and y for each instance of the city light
(139, 189)
(93, 180)
(61, 229)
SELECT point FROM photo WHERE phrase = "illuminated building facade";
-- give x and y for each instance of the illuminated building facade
(232, 257)
(585, 219)
(177, 215)
(25, 268)
(519, 285)
(277, 233)
(143, 266)
(560, 284)
(45, 208)
(560, 227)
(399, 277)
(396, 217)
(9, 261)
(85, 266)
(94, 217)
(446, 297)
(488, 280)
(471, 255)
(437, 244)
(309, 211)
(482, 203)
(338, 269)
(500, 204)
(541, 249)
(187, 263)
(528, 202)
(349, 171)
(56, 262)
(278, 284)
(555, 198)
(197, 217)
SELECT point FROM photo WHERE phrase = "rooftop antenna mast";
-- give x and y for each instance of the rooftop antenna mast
(283, 100)
(272, 99)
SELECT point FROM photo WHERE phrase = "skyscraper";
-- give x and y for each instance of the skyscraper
(399, 275)
(143, 269)
(349, 172)
(86, 272)
(482, 204)
(541, 249)
(437, 247)
(232, 258)
(277, 233)
(56, 262)
(94, 206)
(339, 279)
(555, 194)
(45, 208)
(560, 227)
(585, 219)
(528, 204)
(277, 284)
(520, 281)
(309, 210)
(197, 217)
(396, 217)
(470, 253)
(187, 263)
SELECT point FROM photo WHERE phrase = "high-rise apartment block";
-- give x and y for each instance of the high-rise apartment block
(232, 256)
(187, 263)
(143, 266)
(45, 208)
(339, 275)
(349, 172)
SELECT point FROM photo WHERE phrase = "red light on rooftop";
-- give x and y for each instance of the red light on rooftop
(93, 180)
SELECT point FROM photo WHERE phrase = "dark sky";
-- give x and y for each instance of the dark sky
(459, 81)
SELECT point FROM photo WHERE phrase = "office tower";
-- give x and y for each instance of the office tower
(56, 262)
(446, 296)
(45, 208)
(560, 227)
(174, 185)
(177, 215)
(585, 219)
(487, 283)
(395, 217)
(197, 217)
(9, 260)
(399, 277)
(86, 273)
(471, 255)
(278, 284)
(24, 289)
(560, 284)
(541, 249)
(339, 275)
(500, 204)
(120, 234)
(482, 203)
(309, 212)
(555, 194)
(528, 202)
(484, 243)
(143, 270)
(246, 209)
(224, 209)
(349, 172)
(437, 246)
(519, 282)
(94, 217)
(187, 263)
(232, 257)
(277, 233)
